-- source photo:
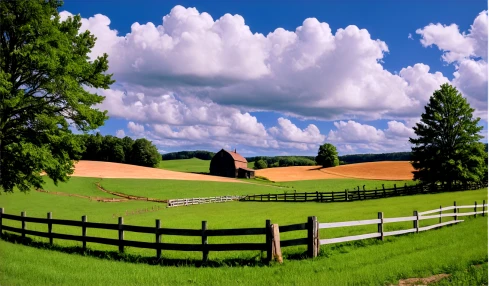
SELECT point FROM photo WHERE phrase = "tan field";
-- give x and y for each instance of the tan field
(97, 169)
(385, 170)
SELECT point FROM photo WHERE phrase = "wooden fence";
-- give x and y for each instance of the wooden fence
(270, 233)
(197, 201)
(360, 194)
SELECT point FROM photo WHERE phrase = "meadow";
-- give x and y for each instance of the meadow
(368, 262)
(193, 165)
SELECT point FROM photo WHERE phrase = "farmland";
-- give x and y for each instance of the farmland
(366, 262)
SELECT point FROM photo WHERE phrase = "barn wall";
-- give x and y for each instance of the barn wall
(222, 164)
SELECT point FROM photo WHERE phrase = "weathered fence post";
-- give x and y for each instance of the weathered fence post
(158, 239)
(383, 189)
(84, 233)
(312, 237)
(23, 224)
(204, 240)
(321, 197)
(415, 222)
(276, 244)
(1, 213)
(475, 209)
(381, 225)
(455, 217)
(395, 191)
(269, 240)
(121, 234)
(346, 196)
(484, 203)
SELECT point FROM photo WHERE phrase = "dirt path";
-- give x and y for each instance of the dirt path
(385, 170)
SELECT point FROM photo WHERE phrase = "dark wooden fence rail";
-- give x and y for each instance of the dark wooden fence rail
(158, 231)
(360, 193)
(271, 245)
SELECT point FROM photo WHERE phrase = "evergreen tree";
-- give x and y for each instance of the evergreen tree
(447, 148)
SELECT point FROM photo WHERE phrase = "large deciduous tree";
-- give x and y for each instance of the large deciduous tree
(327, 156)
(45, 75)
(446, 148)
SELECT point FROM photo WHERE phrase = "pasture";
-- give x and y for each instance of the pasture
(368, 262)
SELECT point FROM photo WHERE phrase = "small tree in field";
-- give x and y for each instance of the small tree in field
(45, 73)
(260, 164)
(327, 156)
(447, 148)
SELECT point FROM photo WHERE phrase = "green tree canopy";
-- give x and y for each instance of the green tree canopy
(44, 67)
(446, 148)
(144, 153)
(327, 156)
(260, 164)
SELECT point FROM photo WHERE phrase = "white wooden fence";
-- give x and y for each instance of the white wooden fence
(416, 218)
(197, 201)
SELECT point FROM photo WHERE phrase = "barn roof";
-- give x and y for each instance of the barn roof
(236, 156)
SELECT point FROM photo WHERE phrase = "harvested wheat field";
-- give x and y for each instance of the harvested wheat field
(97, 169)
(385, 170)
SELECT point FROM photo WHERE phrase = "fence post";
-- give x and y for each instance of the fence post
(406, 190)
(475, 209)
(381, 225)
(346, 197)
(120, 234)
(359, 195)
(364, 193)
(269, 240)
(158, 239)
(312, 237)
(484, 202)
(317, 196)
(383, 189)
(395, 191)
(440, 214)
(84, 233)
(204, 240)
(455, 210)
(23, 224)
(276, 244)
(1, 213)
(332, 197)
(415, 222)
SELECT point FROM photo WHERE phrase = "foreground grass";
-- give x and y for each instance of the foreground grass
(225, 215)
(447, 250)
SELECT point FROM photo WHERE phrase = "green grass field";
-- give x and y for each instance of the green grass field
(362, 263)
(193, 165)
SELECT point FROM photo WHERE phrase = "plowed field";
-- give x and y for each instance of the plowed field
(386, 170)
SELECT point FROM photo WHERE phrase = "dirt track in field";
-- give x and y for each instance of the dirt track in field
(385, 170)
(97, 169)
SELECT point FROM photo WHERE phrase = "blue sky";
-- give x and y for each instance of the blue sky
(207, 80)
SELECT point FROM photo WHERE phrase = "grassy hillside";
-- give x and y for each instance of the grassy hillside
(193, 165)
(359, 263)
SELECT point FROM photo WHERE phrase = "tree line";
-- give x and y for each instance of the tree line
(200, 154)
(126, 150)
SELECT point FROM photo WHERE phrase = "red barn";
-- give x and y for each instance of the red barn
(230, 164)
